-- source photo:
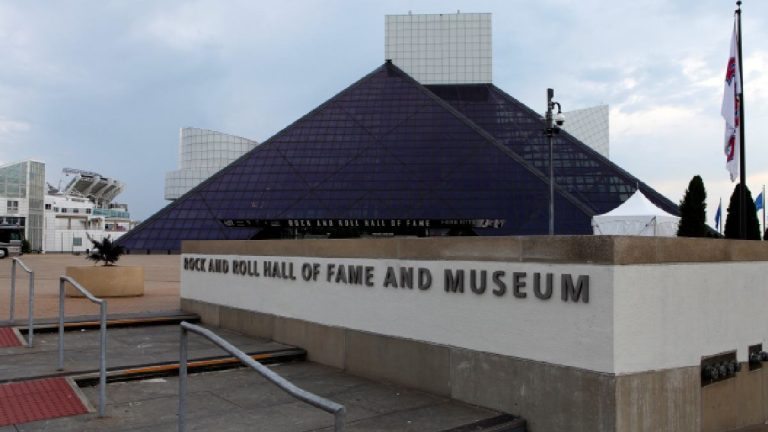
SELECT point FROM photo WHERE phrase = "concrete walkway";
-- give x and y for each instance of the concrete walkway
(161, 285)
(232, 400)
(240, 400)
(126, 348)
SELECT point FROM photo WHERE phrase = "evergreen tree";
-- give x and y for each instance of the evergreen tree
(734, 213)
(693, 210)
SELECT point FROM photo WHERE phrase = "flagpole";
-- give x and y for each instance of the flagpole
(742, 153)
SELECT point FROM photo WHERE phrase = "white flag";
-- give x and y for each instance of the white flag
(730, 108)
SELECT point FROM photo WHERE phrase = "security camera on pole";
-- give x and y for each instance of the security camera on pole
(553, 125)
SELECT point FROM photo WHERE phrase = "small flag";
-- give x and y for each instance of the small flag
(718, 214)
(759, 202)
(730, 107)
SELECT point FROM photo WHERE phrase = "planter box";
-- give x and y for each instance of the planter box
(107, 281)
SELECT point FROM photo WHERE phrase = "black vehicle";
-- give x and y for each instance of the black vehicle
(10, 240)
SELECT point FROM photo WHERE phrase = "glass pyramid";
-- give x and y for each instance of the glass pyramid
(458, 158)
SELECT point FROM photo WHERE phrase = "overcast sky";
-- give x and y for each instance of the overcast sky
(105, 85)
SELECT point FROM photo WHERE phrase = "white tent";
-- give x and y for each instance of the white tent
(636, 216)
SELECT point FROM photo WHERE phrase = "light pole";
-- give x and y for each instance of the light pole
(552, 128)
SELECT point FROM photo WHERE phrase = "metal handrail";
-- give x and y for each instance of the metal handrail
(103, 332)
(338, 410)
(31, 313)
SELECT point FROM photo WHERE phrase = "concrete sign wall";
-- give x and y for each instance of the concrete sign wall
(616, 319)
(671, 315)
(554, 313)
(572, 333)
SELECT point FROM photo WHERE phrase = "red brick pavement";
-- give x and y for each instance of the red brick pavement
(26, 401)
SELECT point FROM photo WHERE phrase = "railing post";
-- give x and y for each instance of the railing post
(103, 359)
(13, 290)
(61, 323)
(31, 308)
(183, 380)
(339, 420)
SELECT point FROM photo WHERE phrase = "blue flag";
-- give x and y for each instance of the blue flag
(718, 214)
(759, 202)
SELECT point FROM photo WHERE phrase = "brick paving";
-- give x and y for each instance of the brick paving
(8, 338)
(43, 399)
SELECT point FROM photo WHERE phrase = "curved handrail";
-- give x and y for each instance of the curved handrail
(31, 312)
(24, 266)
(103, 335)
(329, 406)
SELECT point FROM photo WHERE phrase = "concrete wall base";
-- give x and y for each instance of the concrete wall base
(550, 397)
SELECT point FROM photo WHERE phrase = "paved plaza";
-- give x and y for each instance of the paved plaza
(161, 285)
(223, 400)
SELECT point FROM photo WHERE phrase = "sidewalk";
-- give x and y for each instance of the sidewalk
(231, 400)
(161, 285)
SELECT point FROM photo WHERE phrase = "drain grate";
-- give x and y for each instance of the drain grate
(26, 401)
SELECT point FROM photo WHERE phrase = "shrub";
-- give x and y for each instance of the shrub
(105, 250)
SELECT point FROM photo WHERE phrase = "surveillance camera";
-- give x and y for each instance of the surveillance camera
(559, 119)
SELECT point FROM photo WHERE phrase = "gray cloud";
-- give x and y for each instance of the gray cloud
(106, 85)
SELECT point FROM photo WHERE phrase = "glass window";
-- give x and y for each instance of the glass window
(77, 241)
(13, 206)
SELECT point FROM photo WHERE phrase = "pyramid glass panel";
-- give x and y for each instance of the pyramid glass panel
(388, 154)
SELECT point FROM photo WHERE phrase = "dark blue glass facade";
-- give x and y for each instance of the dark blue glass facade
(388, 148)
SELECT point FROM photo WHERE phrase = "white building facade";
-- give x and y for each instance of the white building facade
(71, 221)
(84, 210)
(441, 48)
(202, 153)
(22, 192)
(457, 49)
(590, 126)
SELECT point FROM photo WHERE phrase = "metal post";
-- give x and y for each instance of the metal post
(103, 359)
(338, 418)
(183, 380)
(742, 147)
(550, 125)
(61, 324)
(31, 330)
(13, 291)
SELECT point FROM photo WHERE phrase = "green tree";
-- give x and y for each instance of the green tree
(734, 213)
(693, 210)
